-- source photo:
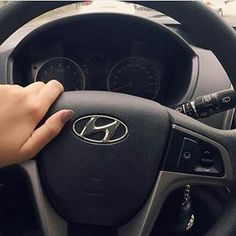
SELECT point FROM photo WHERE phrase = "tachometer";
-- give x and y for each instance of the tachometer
(136, 76)
(64, 70)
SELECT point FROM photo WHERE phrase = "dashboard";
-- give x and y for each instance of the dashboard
(117, 53)
(108, 56)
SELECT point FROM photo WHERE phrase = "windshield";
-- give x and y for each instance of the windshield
(224, 8)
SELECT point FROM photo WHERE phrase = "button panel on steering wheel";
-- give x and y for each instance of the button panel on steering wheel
(190, 154)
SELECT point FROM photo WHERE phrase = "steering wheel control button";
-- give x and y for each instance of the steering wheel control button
(207, 159)
(189, 154)
(204, 162)
(207, 170)
(210, 161)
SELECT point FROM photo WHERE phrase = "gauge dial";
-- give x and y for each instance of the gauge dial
(136, 76)
(64, 70)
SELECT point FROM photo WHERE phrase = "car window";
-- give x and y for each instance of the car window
(224, 8)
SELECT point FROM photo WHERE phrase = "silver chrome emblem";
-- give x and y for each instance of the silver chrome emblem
(100, 129)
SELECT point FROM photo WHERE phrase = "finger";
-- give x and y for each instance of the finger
(44, 134)
(35, 87)
(15, 86)
(49, 94)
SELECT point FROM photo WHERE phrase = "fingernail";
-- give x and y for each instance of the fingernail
(66, 116)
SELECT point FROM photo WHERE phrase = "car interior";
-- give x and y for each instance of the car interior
(151, 147)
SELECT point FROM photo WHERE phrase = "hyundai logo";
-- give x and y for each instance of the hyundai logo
(100, 129)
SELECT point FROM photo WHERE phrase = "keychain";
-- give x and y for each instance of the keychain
(185, 217)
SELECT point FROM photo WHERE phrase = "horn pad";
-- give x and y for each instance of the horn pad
(104, 183)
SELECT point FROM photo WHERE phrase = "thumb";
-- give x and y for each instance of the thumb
(45, 133)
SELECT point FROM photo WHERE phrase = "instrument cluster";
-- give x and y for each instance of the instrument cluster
(134, 75)
(149, 61)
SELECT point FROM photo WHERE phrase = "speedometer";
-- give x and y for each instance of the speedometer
(64, 70)
(136, 76)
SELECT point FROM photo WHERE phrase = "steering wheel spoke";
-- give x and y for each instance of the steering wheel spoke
(195, 148)
(192, 157)
(51, 223)
(192, 153)
(167, 182)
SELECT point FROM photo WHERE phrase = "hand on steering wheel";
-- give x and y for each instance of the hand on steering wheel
(21, 111)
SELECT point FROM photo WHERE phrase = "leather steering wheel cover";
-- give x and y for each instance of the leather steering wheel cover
(193, 15)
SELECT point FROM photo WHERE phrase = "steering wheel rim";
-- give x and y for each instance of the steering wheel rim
(223, 141)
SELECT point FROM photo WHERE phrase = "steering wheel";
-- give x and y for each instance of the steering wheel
(117, 161)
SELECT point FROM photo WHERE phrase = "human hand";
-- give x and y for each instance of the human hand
(21, 109)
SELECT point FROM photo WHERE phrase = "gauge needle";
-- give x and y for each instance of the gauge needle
(122, 87)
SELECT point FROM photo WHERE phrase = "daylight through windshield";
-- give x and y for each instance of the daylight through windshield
(224, 8)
